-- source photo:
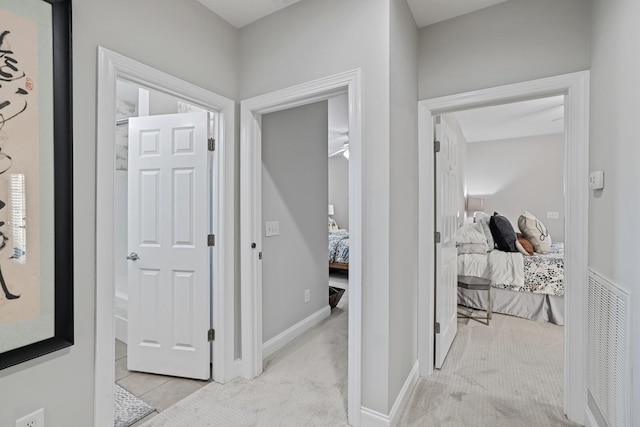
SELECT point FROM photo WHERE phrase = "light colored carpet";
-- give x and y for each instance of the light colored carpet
(127, 409)
(303, 384)
(506, 374)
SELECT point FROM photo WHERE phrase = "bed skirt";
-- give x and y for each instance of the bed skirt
(538, 307)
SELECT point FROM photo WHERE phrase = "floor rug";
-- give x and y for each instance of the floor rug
(127, 409)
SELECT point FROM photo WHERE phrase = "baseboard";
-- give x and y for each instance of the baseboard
(284, 338)
(121, 329)
(404, 395)
(371, 418)
(590, 420)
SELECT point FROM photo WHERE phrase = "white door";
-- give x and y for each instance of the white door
(446, 181)
(169, 262)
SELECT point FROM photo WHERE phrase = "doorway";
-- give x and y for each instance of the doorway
(574, 87)
(251, 220)
(112, 68)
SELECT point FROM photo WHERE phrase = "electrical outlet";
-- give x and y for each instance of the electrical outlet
(307, 296)
(553, 215)
(35, 419)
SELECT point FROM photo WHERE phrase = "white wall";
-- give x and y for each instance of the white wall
(63, 383)
(294, 193)
(339, 189)
(403, 201)
(514, 41)
(517, 175)
(614, 148)
(318, 38)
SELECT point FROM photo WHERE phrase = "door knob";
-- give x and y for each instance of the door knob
(133, 256)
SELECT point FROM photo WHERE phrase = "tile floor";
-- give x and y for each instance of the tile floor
(157, 390)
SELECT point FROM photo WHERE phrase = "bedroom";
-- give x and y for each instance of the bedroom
(508, 159)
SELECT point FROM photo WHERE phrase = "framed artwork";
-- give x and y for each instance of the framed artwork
(36, 179)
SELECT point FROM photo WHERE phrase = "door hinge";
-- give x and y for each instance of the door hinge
(211, 335)
(437, 327)
(436, 146)
(211, 240)
(437, 237)
(212, 144)
(259, 255)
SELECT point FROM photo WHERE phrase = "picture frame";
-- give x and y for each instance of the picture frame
(36, 180)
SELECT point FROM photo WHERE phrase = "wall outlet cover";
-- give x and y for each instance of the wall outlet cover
(271, 228)
(34, 419)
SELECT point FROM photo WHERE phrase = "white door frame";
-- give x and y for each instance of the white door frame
(251, 218)
(112, 67)
(575, 87)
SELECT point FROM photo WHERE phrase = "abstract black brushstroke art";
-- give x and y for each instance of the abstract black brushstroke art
(36, 221)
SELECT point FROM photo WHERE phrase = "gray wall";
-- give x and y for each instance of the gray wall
(614, 148)
(140, 30)
(318, 38)
(294, 192)
(510, 42)
(403, 201)
(517, 175)
(339, 189)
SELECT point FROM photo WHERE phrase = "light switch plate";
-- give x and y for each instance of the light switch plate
(553, 215)
(271, 228)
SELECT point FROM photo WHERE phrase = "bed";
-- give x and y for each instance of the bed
(531, 287)
(338, 247)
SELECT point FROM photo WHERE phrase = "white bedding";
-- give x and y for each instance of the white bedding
(502, 268)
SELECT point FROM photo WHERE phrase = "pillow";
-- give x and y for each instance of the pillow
(478, 216)
(484, 223)
(503, 233)
(333, 227)
(524, 245)
(470, 233)
(472, 248)
(535, 232)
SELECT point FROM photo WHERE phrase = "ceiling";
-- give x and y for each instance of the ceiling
(242, 12)
(543, 116)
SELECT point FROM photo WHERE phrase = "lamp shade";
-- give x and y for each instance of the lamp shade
(475, 204)
(331, 211)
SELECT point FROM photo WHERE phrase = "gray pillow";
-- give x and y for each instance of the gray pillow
(484, 223)
(503, 233)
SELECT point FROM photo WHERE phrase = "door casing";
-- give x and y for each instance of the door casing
(251, 218)
(575, 87)
(112, 67)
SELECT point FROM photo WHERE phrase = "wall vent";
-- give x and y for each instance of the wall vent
(609, 367)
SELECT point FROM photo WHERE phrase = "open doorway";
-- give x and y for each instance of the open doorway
(501, 169)
(162, 271)
(216, 309)
(253, 112)
(574, 89)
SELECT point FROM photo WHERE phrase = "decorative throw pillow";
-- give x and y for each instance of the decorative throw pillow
(503, 233)
(524, 245)
(535, 232)
(470, 233)
(484, 223)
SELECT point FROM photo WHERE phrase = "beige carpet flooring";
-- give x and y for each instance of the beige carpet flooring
(503, 375)
(506, 374)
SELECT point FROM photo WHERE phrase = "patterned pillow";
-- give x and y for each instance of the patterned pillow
(503, 233)
(535, 232)
(484, 223)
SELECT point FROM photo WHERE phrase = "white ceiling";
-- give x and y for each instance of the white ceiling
(242, 12)
(516, 120)
(427, 12)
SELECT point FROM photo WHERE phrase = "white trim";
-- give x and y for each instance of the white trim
(121, 329)
(404, 395)
(250, 217)
(371, 418)
(285, 337)
(590, 419)
(576, 88)
(112, 67)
